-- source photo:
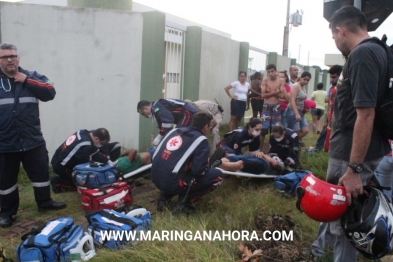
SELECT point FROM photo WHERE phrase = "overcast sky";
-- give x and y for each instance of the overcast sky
(261, 23)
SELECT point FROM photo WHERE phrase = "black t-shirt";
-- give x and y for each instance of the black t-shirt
(364, 74)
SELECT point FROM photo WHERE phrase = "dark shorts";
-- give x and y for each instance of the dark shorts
(238, 107)
(256, 104)
(252, 164)
(317, 112)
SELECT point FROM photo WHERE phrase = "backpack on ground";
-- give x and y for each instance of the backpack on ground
(94, 175)
(384, 110)
(289, 182)
(55, 241)
(111, 229)
(115, 196)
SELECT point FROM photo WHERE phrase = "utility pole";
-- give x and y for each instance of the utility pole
(286, 33)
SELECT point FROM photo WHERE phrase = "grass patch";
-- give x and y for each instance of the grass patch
(233, 206)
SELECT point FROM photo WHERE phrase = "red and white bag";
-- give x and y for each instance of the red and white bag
(113, 197)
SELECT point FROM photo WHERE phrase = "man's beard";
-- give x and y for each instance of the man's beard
(12, 71)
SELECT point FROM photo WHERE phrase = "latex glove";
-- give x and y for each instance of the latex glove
(157, 140)
(111, 163)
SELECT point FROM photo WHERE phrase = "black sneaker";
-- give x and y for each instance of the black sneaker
(217, 155)
(6, 221)
(163, 201)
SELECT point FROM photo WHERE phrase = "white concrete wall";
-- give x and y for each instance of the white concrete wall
(283, 63)
(219, 68)
(311, 85)
(327, 79)
(92, 56)
(334, 59)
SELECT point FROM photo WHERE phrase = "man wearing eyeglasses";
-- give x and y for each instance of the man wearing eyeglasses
(21, 138)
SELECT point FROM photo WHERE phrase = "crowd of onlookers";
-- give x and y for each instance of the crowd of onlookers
(277, 98)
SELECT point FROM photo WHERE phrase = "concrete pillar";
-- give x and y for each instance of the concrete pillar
(243, 56)
(272, 58)
(102, 4)
(325, 80)
(316, 78)
(192, 63)
(153, 62)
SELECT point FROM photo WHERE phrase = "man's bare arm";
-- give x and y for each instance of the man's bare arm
(265, 94)
(283, 91)
(362, 131)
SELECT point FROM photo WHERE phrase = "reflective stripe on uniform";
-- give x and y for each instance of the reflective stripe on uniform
(176, 102)
(78, 134)
(28, 100)
(191, 149)
(41, 184)
(9, 190)
(6, 101)
(73, 152)
(117, 145)
(167, 125)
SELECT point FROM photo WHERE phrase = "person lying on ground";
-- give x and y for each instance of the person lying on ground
(258, 164)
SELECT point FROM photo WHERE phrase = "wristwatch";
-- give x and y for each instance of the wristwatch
(356, 167)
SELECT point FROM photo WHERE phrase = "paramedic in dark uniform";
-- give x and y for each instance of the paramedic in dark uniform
(181, 156)
(168, 112)
(21, 139)
(284, 143)
(234, 141)
(81, 147)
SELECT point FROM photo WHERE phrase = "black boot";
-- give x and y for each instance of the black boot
(163, 201)
(6, 221)
(216, 156)
(183, 206)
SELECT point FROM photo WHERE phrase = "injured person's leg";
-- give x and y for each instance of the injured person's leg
(226, 164)
(245, 163)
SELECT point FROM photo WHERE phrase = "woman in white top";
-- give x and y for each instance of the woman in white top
(238, 99)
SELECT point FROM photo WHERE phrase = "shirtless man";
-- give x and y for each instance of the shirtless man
(273, 88)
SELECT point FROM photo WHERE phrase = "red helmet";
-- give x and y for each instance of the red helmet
(320, 200)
